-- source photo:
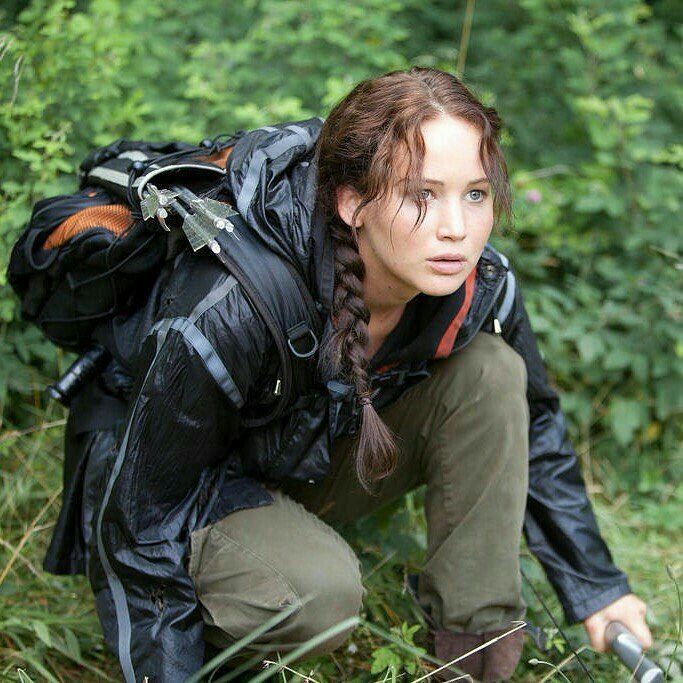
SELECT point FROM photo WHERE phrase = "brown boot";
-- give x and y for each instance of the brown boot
(495, 662)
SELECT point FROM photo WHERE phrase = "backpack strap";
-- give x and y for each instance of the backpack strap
(280, 295)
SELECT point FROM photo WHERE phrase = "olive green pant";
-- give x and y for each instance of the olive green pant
(463, 432)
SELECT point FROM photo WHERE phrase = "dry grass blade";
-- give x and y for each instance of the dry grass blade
(28, 533)
(563, 663)
(27, 563)
(555, 670)
(280, 665)
(15, 433)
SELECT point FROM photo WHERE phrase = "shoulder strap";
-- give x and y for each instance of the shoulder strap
(282, 298)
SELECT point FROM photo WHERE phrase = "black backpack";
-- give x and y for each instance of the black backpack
(86, 257)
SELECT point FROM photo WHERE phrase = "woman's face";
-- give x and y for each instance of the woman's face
(458, 220)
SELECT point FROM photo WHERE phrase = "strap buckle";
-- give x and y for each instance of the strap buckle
(296, 333)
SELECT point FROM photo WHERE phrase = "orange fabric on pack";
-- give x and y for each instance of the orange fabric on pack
(219, 158)
(114, 217)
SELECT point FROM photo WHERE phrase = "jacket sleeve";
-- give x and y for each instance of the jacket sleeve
(559, 526)
(182, 418)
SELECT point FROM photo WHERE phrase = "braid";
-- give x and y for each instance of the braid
(344, 354)
(351, 315)
(359, 147)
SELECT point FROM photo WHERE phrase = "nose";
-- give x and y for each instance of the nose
(452, 221)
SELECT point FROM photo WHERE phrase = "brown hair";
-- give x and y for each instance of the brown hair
(358, 146)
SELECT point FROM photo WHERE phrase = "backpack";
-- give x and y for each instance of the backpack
(86, 257)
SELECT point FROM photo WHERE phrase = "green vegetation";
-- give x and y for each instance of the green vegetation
(591, 96)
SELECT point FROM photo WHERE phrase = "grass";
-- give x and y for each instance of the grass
(49, 630)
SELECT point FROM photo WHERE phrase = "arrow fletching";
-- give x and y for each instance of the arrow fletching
(199, 230)
(209, 219)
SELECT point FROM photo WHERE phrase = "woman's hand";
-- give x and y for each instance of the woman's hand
(630, 611)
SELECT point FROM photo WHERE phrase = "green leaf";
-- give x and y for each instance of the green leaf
(384, 658)
(590, 347)
(42, 631)
(72, 645)
(625, 417)
(617, 359)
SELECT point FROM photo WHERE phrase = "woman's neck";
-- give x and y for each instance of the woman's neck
(381, 324)
(385, 296)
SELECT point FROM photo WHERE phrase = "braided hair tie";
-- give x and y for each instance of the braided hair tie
(365, 400)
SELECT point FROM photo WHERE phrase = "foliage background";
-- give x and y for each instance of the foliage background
(590, 94)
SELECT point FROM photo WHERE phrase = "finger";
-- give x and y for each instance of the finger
(642, 633)
(600, 644)
(596, 634)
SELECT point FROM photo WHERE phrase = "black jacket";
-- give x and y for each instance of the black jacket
(147, 464)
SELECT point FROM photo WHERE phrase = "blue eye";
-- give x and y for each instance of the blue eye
(482, 193)
(426, 189)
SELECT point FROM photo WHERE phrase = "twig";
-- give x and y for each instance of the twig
(664, 252)
(381, 563)
(547, 172)
(465, 38)
(5, 43)
(17, 74)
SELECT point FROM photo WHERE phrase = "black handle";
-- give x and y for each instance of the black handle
(629, 650)
(81, 371)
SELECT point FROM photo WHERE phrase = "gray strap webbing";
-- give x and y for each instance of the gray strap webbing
(196, 339)
(508, 299)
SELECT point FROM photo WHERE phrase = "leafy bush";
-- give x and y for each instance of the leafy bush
(589, 94)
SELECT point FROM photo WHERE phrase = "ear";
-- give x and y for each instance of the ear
(347, 201)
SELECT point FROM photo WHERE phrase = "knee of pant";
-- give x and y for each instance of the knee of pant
(504, 377)
(491, 371)
(329, 593)
(483, 397)
(239, 591)
(501, 393)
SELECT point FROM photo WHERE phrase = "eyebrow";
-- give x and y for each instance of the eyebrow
(472, 182)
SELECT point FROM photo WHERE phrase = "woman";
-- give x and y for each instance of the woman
(428, 373)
